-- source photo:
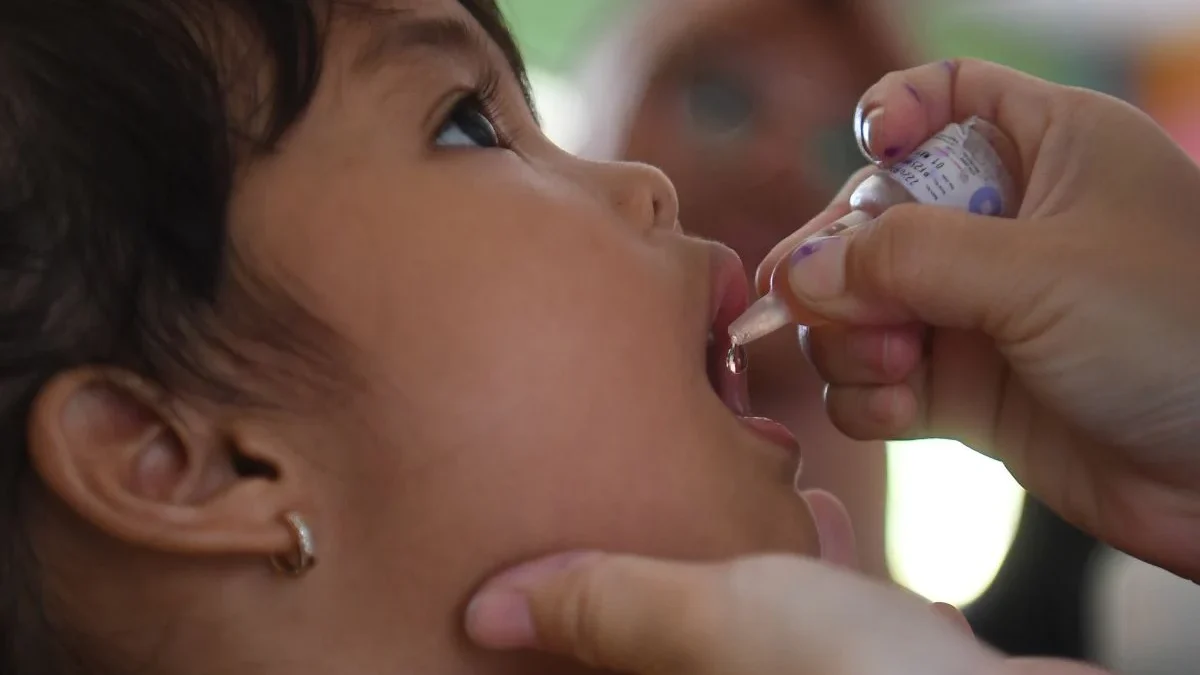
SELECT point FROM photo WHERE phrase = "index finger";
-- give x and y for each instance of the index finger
(907, 107)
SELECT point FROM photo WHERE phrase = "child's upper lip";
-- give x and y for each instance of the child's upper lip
(729, 291)
(729, 297)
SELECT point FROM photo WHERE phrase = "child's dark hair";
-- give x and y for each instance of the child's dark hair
(118, 152)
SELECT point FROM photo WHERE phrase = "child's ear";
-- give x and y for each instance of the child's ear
(157, 473)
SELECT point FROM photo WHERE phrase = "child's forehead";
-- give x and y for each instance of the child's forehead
(393, 30)
(397, 29)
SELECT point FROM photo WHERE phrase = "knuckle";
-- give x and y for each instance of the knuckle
(580, 615)
(702, 622)
(967, 66)
(965, 69)
(893, 80)
(1086, 113)
(672, 632)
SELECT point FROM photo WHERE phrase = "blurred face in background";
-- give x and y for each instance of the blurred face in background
(747, 106)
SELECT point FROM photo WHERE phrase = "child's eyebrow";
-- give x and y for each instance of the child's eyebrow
(396, 36)
(401, 36)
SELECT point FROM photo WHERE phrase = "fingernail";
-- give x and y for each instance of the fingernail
(868, 127)
(817, 268)
(954, 616)
(501, 619)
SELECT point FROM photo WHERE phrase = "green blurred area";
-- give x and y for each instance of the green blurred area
(552, 31)
(944, 33)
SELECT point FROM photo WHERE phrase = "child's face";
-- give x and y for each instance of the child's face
(530, 332)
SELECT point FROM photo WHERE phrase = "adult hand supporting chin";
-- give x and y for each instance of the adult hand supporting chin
(776, 614)
(780, 615)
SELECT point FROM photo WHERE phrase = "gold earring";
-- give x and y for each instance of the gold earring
(303, 557)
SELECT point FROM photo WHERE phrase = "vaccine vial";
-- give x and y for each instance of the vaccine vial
(961, 167)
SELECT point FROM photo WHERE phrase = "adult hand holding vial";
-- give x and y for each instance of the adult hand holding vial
(1062, 341)
(962, 167)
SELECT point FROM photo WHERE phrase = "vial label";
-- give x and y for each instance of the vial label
(956, 168)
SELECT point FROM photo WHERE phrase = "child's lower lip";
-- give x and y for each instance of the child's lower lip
(774, 432)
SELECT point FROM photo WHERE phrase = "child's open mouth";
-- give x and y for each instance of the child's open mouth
(730, 294)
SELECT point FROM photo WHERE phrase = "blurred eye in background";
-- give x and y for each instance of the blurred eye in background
(720, 106)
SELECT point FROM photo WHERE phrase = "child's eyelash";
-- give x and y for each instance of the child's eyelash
(487, 93)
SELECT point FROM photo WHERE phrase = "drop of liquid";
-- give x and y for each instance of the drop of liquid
(736, 360)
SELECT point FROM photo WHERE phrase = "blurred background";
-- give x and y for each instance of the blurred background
(954, 526)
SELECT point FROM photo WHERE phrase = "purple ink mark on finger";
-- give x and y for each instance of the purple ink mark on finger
(805, 251)
(950, 65)
(891, 152)
(913, 91)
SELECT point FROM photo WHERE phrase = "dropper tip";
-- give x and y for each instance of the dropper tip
(767, 315)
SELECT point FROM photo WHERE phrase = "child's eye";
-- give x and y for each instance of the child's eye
(469, 125)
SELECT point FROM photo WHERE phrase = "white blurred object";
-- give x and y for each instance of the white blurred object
(1144, 620)
(1086, 20)
(952, 516)
(560, 104)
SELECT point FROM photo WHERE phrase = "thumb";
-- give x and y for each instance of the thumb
(622, 613)
(768, 614)
(929, 264)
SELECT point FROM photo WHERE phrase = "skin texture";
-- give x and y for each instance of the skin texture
(525, 333)
(749, 185)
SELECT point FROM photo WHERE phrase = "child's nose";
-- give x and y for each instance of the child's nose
(641, 194)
